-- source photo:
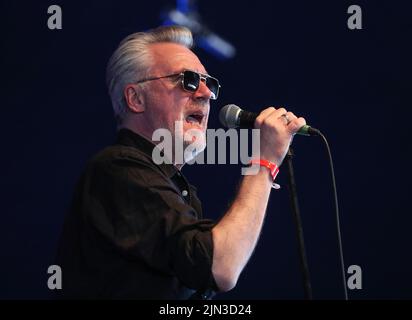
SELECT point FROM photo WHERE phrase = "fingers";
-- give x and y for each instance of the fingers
(295, 125)
(291, 121)
(278, 127)
(281, 117)
(289, 116)
(268, 115)
(263, 115)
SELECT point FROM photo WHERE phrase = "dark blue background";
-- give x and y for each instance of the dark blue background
(353, 85)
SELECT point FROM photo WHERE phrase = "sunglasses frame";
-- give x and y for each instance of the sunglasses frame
(201, 76)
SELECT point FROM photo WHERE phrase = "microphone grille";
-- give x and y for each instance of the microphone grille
(229, 115)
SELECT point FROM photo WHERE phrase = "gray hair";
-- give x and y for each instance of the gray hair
(132, 60)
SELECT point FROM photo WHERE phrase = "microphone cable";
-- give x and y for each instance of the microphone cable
(335, 196)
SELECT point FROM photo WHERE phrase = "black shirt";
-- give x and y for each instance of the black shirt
(135, 229)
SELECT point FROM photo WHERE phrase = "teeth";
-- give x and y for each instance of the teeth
(193, 119)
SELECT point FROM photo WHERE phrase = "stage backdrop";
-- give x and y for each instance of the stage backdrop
(354, 85)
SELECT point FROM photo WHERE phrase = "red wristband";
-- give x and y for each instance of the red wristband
(273, 168)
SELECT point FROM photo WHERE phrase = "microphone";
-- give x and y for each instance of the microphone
(231, 116)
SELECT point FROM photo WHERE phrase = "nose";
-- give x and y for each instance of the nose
(203, 92)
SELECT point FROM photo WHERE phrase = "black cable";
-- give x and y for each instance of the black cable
(335, 193)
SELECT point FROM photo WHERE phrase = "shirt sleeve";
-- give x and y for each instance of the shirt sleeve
(136, 209)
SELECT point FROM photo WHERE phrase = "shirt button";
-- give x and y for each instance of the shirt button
(185, 193)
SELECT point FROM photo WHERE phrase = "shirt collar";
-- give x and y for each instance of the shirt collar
(129, 138)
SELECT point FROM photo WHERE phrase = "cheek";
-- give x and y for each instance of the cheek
(162, 113)
(174, 105)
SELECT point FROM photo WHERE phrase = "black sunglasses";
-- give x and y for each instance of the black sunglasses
(191, 81)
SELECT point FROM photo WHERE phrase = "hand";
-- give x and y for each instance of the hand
(277, 128)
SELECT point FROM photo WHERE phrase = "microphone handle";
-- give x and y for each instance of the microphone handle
(247, 119)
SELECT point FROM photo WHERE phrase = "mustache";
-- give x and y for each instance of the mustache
(201, 103)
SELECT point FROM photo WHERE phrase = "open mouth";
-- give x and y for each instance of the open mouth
(195, 118)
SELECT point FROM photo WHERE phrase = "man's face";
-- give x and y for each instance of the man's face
(165, 100)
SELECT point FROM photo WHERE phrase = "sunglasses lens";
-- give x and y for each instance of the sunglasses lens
(213, 85)
(191, 81)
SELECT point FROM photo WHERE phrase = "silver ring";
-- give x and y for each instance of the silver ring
(286, 117)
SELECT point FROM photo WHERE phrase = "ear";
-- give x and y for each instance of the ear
(133, 95)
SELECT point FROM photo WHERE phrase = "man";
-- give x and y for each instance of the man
(135, 228)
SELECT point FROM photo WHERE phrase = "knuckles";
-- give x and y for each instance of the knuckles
(282, 111)
(268, 120)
